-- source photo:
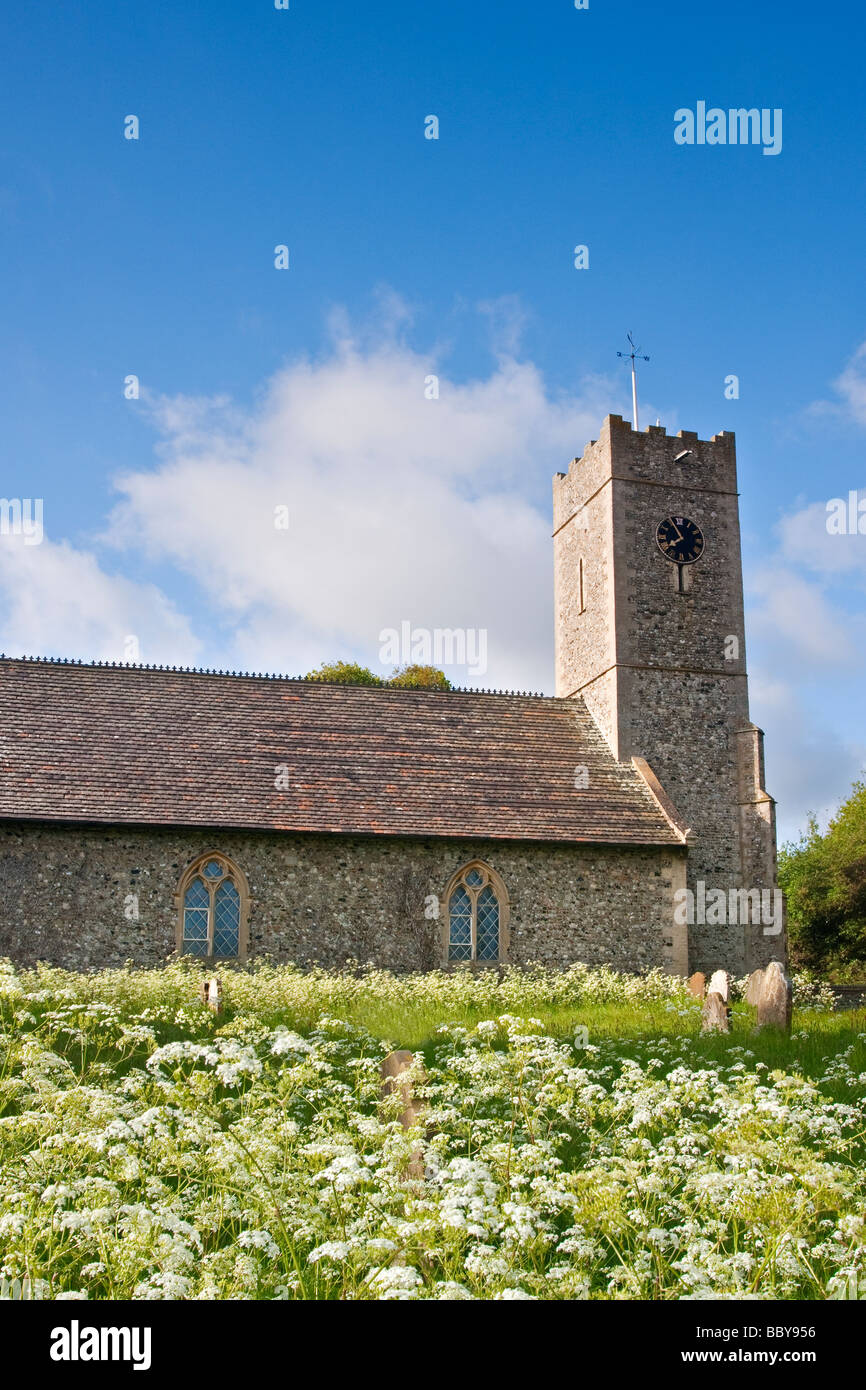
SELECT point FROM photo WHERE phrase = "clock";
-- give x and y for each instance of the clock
(680, 540)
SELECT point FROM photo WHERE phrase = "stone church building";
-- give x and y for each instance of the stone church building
(146, 810)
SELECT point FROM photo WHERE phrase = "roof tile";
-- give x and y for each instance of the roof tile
(143, 746)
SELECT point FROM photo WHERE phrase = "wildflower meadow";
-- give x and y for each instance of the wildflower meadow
(152, 1149)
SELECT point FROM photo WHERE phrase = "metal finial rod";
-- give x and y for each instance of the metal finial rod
(635, 354)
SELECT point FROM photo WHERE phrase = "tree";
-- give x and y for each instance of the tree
(404, 677)
(824, 879)
(344, 673)
(420, 678)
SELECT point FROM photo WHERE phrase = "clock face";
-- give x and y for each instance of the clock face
(680, 540)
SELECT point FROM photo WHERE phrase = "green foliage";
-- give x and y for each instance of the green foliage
(824, 878)
(150, 1149)
(344, 673)
(404, 677)
(420, 678)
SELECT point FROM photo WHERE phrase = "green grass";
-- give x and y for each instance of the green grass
(151, 1149)
(406, 1011)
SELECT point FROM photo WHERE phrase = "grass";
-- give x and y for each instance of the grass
(407, 1011)
(150, 1149)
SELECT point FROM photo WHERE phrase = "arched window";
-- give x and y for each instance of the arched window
(213, 900)
(477, 916)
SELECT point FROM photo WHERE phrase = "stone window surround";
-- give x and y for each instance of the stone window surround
(230, 870)
(498, 886)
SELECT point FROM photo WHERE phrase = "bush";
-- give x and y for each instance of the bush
(824, 879)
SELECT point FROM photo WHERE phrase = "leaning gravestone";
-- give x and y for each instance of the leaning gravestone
(696, 984)
(776, 1001)
(753, 988)
(395, 1080)
(715, 1017)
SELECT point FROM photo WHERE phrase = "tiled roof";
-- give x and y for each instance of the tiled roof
(150, 746)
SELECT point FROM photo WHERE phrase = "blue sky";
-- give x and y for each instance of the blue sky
(409, 257)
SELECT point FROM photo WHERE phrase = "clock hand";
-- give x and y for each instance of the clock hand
(676, 528)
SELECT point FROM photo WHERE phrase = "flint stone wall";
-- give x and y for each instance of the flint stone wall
(326, 899)
(656, 667)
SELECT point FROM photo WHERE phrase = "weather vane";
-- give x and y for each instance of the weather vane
(634, 355)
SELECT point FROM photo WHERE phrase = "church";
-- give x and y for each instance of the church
(151, 810)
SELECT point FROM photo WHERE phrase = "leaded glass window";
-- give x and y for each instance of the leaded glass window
(212, 909)
(460, 940)
(226, 919)
(196, 908)
(487, 925)
(474, 917)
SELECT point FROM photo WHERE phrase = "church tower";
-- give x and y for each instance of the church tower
(649, 633)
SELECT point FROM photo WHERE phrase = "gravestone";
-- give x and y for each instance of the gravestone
(716, 1014)
(753, 988)
(212, 993)
(396, 1081)
(776, 1001)
(697, 983)
(720, 984)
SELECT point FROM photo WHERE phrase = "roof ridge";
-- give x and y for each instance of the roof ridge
(265, 675)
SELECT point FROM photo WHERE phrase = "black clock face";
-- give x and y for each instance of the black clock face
(680, 540)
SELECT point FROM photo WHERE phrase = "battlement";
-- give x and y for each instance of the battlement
(619, 435)
(616, 422)
(651, 456)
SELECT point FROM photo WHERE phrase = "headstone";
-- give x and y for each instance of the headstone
(716, 1014)
(212, 994)
(776, 1001)
(697, 984)
(395, 1080)
(753, 988)
(720, 984)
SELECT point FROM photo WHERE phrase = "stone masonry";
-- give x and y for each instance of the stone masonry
(65, 894)
(664, 672)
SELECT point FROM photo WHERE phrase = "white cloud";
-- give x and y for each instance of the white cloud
(400, 508)
(793, 615)
(507, 318)
(810, 764)
(805, 540)
(850, 386)
(807, 668)
(57, 601)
